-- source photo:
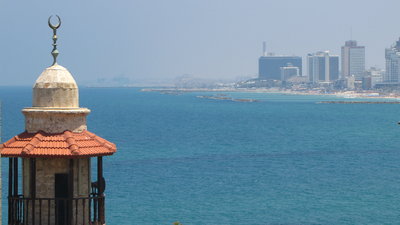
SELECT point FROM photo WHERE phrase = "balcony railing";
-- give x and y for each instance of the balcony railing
(56, 211)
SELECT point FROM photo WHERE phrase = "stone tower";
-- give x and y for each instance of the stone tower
(56, 151)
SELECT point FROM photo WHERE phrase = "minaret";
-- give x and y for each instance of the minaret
(56, 151)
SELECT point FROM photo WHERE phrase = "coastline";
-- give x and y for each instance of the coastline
(341, 94)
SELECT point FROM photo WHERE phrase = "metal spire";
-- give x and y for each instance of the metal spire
(54, 28)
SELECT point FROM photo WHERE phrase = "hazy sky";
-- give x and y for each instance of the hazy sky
(167, 38)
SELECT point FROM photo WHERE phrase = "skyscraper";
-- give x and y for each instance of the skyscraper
(353, 60)
(392, 56)
(322, 67)
(269, 65)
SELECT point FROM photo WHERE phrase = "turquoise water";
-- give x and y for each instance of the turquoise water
(284, 160)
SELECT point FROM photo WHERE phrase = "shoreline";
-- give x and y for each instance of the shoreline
(345, 94)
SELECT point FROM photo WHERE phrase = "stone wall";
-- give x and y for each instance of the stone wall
(55, 120)
(45, 188)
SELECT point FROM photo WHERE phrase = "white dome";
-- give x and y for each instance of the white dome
(55, 88)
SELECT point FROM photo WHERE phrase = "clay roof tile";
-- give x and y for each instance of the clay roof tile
(62, 145)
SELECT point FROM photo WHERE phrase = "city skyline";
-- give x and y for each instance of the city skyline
(148, 40)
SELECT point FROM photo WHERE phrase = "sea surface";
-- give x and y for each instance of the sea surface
(284, 160)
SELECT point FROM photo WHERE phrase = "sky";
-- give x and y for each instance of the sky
(163, 39)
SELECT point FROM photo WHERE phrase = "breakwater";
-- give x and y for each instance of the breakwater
(357, 102)
(223, 97)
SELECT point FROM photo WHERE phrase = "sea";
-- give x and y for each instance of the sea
(283, 160)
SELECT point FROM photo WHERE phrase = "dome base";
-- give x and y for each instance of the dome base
(55, 120)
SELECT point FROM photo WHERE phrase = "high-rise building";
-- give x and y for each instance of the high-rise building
(269, 65)
(353, 60)
(322, 67)
(392, 56)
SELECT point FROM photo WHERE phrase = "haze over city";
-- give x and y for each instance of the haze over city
(160, 40)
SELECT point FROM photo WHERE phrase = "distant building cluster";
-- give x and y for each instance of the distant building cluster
(344, 72)
(322, 67)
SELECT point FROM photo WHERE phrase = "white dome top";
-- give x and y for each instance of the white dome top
(55, 88)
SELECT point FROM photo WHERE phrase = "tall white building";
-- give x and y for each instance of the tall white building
(392, 56)
(353, 60)
(322, 67)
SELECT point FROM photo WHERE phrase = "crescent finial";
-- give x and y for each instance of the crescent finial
(55, 52)
(54, 27)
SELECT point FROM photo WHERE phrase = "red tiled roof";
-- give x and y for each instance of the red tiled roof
(63, 145)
